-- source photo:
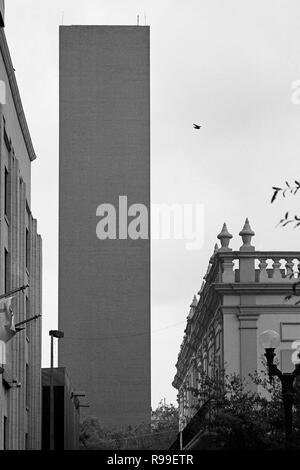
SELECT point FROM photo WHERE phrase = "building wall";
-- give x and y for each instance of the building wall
(243, 294)
(66, 411)
(232, 343)
(20, 408)
(13, 124)
(285, 349)
(2, 9)
(104, 285)
(272, 312)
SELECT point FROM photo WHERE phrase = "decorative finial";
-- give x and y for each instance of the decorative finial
(224, 238)
(211, 260)
(247, 233)
(194, 302)
(201, 288)
(192, 308)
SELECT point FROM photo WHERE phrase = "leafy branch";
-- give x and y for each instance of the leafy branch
(286, 220)
(287, 189)
(231, 416)
(295, 292)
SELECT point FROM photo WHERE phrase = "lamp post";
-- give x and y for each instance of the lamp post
(53, 334)
(270, 340)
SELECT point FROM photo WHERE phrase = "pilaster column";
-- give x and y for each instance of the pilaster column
(248, 345)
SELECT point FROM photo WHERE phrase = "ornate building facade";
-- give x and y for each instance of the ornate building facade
(20, 262)
(242, 294)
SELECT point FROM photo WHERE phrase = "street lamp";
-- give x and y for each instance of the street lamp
(270, 340)
(54, 334)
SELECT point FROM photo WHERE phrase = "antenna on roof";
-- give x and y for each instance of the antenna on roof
(62, 17)
(138, 20)
(145, 18)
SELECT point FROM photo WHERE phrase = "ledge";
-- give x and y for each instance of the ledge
(254, 287)
(16, 95)
(258, 254)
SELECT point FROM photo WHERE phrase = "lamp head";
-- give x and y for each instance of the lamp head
(56, 333)
(77, 393)
(269, 339)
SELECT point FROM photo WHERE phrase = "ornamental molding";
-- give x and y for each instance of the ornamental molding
(16, 95)
(258, 310)
(259, 288)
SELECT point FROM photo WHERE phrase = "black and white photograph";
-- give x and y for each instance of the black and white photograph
(149, 228)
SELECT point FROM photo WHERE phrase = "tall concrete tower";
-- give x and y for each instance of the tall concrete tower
(104, 284)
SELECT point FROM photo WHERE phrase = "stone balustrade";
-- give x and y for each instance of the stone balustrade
(262, 266)
(244, 266)
(248, 265)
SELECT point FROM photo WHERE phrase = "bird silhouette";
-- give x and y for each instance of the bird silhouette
(196, 126)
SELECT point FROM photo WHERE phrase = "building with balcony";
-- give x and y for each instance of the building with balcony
(242, 294)
(20, 264)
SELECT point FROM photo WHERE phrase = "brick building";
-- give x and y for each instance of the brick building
(20, 262)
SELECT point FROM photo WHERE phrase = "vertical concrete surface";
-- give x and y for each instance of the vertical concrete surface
(104, 285)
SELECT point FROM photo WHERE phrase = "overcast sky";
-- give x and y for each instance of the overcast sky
(227, 65)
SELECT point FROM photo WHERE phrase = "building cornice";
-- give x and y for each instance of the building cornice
(257, 254)
(260, 309)
(16, 95)
(258, 288)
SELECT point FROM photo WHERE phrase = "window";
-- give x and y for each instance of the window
(4, 433)
(27, 249)
(27, 385)
(210, 360)
(6, 193)
(218, 340)
(5, 136)
(289, 331)
(220, 363)
(27, 315)
(6, 271)
(205, 368)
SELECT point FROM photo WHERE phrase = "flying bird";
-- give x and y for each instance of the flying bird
(196, 126)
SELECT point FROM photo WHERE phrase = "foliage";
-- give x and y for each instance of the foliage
(238, 418)
(290, 190)
(158, 435)
(287, 219)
